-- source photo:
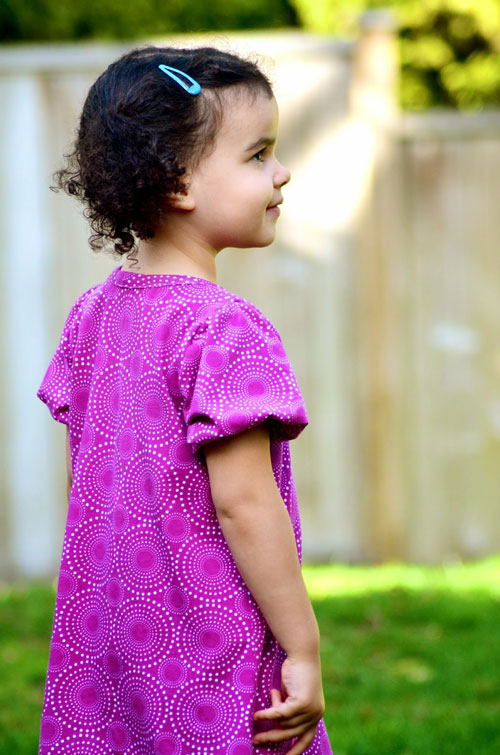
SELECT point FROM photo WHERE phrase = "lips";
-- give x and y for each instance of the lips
(273, 208)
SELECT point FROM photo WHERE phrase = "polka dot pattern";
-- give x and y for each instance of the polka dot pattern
(88, 616)
(141, 704)
(158, 647)
(213, 639)
(200, 712)
(143, 631)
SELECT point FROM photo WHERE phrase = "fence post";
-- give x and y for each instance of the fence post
(373, 104)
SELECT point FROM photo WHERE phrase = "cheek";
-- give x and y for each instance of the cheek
(263, 189)
(249, 196)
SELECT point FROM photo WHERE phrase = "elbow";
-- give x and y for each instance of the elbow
(229, 506)
(242, 503)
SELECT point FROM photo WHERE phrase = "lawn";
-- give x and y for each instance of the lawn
(411, 658)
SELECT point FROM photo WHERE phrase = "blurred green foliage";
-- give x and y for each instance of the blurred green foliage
(58, 20)
(449, 49)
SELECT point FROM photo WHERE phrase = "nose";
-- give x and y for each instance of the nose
(282, 175)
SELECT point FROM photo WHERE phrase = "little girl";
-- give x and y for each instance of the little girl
(182, 624)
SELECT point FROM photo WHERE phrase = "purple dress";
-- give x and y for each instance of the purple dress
(158, 647)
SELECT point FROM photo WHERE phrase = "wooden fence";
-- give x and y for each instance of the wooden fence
(429, 282)
(383, 282)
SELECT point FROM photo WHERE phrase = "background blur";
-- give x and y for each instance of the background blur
(383, 281)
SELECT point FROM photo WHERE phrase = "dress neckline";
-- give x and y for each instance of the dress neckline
(128, 279)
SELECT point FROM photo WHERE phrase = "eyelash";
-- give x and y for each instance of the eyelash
(258, 154)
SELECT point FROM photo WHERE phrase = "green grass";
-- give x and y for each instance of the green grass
(411, 659)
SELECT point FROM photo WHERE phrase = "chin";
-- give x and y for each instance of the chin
(251, 243)
(265, 239)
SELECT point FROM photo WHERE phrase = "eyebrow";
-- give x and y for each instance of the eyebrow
(264, 141)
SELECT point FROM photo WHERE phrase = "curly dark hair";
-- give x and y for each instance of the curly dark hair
(139, 132)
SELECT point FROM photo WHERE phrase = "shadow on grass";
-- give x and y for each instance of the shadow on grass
(406, 672)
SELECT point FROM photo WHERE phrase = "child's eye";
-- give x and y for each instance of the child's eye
(259, 155)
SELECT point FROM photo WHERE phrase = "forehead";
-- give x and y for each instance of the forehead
(248, 117)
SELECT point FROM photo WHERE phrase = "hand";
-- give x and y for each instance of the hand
(303, 705)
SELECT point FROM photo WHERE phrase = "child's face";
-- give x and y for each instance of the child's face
(235, 184)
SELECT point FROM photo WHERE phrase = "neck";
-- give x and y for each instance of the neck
(162, 255)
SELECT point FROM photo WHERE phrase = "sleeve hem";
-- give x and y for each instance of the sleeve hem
(60, 413)
(280, 430)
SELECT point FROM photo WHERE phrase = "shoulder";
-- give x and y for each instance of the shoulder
(86, 298)
(231, 313)
(78, 309)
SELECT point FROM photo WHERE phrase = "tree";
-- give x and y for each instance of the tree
(449, 49)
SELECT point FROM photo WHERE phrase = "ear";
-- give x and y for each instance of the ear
(182, 200)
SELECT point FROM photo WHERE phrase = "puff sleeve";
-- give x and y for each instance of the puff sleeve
(55, 388)
(237, 374)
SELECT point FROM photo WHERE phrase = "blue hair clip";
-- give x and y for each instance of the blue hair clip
(193, 88)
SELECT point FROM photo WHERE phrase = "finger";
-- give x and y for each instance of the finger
(284, 710)
(275, 703)
(275, 697)
(297, 720)
(274, 714)
(285, 718)
(279, 735)
(303, 742)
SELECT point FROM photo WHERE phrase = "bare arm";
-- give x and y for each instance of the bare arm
(69, 472)
(259, 533)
